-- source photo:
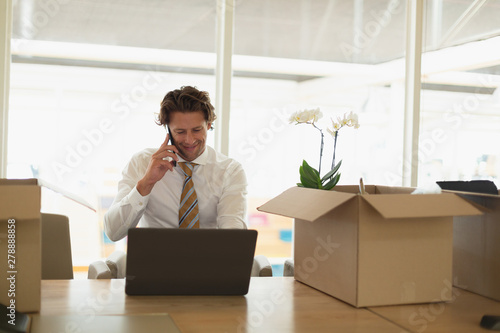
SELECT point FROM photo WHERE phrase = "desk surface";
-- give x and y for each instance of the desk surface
(274, 304)
(462, 314)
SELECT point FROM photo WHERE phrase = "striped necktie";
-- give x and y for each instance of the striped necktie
(188, 208)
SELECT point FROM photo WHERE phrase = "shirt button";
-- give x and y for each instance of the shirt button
(140, 203)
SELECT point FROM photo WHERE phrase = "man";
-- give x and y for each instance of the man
(155, 181)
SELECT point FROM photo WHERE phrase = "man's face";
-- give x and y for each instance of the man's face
(189, 132)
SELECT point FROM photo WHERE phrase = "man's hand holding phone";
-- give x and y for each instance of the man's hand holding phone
(162, 160)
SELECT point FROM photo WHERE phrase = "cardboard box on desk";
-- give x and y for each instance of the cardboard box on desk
(383, 248)
(20, 263)
(476, 247)
(20, 242)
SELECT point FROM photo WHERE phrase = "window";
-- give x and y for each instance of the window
(87, 80)
(459, 101)
(88, 76)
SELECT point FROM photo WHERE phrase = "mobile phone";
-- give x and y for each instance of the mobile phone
(171, 139)
(490, 322)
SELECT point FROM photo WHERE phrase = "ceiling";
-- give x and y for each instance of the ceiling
(356, 32)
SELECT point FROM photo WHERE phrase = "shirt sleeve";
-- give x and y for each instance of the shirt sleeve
(232, 206)
(129, 205)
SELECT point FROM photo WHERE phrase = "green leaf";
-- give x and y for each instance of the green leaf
(300, 185)
(309, 176)
(305, 179)
(304, 173)
(331, 172)
(331, 184)
(307, 183)
(309, 168)
(316, 172)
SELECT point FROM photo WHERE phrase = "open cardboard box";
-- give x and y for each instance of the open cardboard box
(476, 247)
(20, 219)
(386, 247)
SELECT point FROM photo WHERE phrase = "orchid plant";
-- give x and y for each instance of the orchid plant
(309, 176)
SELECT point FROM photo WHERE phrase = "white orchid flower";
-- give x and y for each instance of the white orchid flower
(315, 115)
(306, 116)
(350, 120)
(335, 127)
(353, 120)
(294, 118)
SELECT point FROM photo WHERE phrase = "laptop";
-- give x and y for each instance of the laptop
(189, 261)
(477, 186)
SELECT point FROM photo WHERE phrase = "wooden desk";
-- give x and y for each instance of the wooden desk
(462, 314)
(274, 304)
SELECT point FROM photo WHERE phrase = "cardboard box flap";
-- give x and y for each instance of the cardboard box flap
(27, 181)
(305, 203)
(67, 194)
(483, 195)
(419, 205)
(52, 187)
(18, 202)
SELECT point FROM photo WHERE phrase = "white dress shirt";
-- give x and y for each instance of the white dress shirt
(220, 184)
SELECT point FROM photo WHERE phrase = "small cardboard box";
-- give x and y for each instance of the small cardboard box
(386, 247)
(20, 242)
(20, 245)
(476, 247)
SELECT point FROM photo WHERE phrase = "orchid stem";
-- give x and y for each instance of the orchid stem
(334, 149)
(321, 147)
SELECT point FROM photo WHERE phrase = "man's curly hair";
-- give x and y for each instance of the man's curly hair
(186, 99)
